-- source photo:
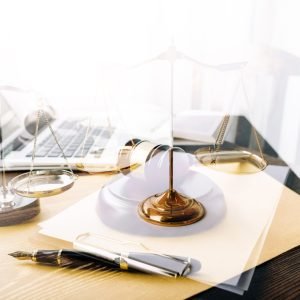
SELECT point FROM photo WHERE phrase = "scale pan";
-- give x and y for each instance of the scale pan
(42, 183)
(234, 161)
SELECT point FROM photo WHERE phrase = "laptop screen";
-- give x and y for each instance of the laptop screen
(9, 123)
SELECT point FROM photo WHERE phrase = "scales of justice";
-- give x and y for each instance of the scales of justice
(171, 208)
(19, 199)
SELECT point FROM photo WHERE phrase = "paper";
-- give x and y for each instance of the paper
(223, 248)
(197, 125)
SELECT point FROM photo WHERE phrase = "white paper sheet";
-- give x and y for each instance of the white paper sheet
(223, 248)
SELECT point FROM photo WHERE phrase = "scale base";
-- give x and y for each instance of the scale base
(171, 209)
(18, 209)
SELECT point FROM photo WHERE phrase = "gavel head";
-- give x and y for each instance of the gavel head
(151, 162)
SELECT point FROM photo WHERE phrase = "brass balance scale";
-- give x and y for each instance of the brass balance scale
(231, 161)
(171, 208)
(19, 199)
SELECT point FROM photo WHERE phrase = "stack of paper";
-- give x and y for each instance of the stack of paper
(239, 209)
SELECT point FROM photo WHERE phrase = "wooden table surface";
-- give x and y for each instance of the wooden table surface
(30, 281)
(277, 279)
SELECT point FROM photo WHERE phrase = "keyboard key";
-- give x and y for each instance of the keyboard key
(97, 131)
(69, 153)
(56, 149)
(53, 154)
(73, 140)
(68, 124)
(101, 142)
(41, 153)
(81, 153)
(106, 133)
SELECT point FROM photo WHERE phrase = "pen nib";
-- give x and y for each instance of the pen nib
(21, 255)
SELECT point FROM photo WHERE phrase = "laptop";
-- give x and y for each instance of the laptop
(83, 145)
(93, 148)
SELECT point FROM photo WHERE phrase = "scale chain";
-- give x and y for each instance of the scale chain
(56, 140)
(39, 113)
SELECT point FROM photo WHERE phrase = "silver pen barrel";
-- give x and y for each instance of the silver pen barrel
(142, 261)
(159, 264)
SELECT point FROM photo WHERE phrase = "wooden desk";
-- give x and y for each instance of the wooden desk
(26, 280)
(275, 279)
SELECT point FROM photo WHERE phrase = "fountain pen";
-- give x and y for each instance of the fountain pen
(153, 263)
(65, 258)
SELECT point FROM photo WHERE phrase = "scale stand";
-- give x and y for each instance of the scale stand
(171, 208)
(15, 209)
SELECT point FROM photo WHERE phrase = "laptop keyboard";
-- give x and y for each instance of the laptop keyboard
(72, 138)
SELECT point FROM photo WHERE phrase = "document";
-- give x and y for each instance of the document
(238, 210)
(197, 125)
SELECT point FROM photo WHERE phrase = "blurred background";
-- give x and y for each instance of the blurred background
(115, 57)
